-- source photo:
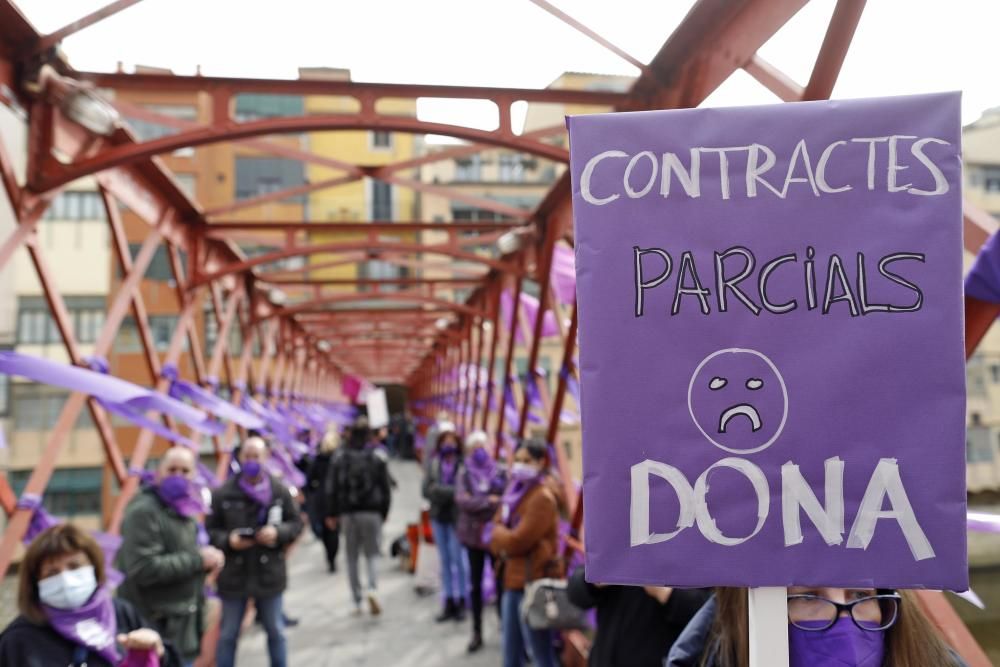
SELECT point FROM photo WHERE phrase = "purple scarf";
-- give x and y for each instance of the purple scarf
(514, 494)
(482, 474)
(93, 625)
(449, 468)
(259, 492)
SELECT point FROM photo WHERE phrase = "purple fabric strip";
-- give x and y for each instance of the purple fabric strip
(181, 389)
(564, 274)
(983, 523)
(140, 419)
(983, 280)
(41, 520)
(529, 304)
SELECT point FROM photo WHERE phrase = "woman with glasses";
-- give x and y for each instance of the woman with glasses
(827, 627)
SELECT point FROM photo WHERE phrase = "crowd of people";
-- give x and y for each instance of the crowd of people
(499, 529)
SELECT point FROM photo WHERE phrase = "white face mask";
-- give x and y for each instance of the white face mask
(69, 589)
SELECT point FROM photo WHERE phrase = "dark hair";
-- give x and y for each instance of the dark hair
(60, 540)
(458, 441)
(537, 449)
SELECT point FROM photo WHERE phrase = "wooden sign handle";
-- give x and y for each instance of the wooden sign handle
(768, 610)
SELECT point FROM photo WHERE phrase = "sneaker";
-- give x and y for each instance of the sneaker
(476, 643)
(373, 605)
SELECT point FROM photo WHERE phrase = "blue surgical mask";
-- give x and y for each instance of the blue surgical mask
(843, 644)
(68, 590)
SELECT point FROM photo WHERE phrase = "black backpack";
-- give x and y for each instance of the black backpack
(357, 481)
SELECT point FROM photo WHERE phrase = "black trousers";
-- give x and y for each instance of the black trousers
(331, 542)
(477, 564)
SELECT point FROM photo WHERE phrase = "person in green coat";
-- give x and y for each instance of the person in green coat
(163, 560)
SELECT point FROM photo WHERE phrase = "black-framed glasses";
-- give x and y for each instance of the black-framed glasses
(872, 613)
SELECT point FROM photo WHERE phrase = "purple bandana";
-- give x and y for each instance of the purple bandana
(93, 625)
(482, 472)
(259, 492)
(514, 494)
(449, 468)
(181, 495)
(843, 644)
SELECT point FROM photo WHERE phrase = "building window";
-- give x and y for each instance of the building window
(162, 327)
(36, 326)
(188, 183)
(976, 418)
(159, 267)
(70, 491)
(35, 407)
(991, 179)
(468, 169)
(381, 140)
(511, 168)
(127, 340)
(4, 395)
(251, 106)
(76, 205)
(257, 176)
(381, 200)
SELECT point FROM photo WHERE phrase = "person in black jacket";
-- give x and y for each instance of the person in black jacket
(358, 496)
(636, 625)
(253, 520)
(316, 480)
(68, 616)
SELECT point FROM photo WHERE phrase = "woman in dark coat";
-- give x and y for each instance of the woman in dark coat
(68, 616)
(478, 494)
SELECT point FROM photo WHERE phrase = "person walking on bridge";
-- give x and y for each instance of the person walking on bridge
(439, 489)
(161, 557)
(253, 520)
(358, 496)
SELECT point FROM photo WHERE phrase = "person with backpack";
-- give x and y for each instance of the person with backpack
(358, 494)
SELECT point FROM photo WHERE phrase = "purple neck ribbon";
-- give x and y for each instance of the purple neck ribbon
(482, 473)
(41, 520)
(258, 491)
(449, 467)
(514, 494)
(92, 626)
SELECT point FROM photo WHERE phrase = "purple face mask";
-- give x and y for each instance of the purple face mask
(448, 450)
(480, 457)
(842, 645)
(251, 469)
(174, 487)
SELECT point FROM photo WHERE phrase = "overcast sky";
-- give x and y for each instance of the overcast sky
(901, 47)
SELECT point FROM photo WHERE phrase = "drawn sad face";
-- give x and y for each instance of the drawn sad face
(738, 401)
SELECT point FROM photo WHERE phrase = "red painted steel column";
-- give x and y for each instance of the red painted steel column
(494, 339)
(508, 362)
(545, 269)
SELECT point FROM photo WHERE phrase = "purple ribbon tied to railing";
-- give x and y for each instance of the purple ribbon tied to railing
(208, 400)
(41, 521)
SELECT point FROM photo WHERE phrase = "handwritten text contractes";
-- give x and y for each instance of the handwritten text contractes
(877, 163)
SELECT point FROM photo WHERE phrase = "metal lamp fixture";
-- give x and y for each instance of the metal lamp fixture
(514, 240)
(80, 103)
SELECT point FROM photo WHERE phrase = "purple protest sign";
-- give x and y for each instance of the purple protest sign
(771, 344)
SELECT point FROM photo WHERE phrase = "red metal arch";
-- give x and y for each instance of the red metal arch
(231, 131)
(373, 251)
(407, 297)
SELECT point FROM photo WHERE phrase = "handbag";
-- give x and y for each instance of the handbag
(546, 606)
